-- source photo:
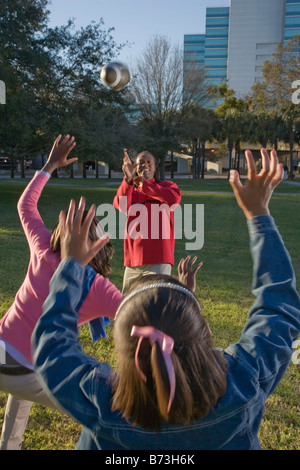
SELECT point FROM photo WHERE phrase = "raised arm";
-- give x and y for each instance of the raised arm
(36, 233)
(254, 196)
(266, 343)
(166, 192)
(128, 168)
(58, 156)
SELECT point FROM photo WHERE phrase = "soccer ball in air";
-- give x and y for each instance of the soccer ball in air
(115, 75)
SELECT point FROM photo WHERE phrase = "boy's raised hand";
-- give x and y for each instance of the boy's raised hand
(254, 196)
(128, 168)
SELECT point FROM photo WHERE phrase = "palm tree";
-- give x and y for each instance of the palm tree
(231, 115)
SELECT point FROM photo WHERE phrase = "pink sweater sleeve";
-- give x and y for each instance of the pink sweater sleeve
(102, 300)
(37, 234)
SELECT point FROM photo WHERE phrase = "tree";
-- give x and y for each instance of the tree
(85, 104)
(50, 73)
(231, 115)
(101, 135)
(157, 94)
(199, 126)
(274, 93)
(22, 23)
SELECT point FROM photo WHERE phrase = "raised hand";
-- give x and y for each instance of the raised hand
(58, 156)
(186, 272)
(254, 196)
(138, 181)
(74, 234)
(128, 168)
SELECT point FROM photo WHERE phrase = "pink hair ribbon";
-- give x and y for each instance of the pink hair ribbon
(166, 344)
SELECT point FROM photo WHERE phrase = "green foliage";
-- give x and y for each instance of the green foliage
(53, 85)
(272, 97)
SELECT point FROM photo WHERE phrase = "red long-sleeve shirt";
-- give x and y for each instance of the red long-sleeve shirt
(149, 235)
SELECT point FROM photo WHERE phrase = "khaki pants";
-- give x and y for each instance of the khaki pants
(23, 391)
(132, 275)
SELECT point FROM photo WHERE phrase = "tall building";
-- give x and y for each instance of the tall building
(239, 38)
(292, 19)
(256, 28)
(216, 44)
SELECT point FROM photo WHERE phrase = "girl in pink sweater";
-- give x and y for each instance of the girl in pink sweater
(101, 298)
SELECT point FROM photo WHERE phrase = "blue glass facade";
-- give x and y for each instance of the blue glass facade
(210, 50)
(292, 19)
(194, 45)
(230, 48)
(216, 44)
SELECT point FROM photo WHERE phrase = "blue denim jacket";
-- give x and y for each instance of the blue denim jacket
(256, 363)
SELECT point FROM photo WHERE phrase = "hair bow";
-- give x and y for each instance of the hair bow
(166, 344)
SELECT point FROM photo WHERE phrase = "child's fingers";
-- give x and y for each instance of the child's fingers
(197, 267)
(72, 160)
(62, 221)
(95, 248)
(251, 164)
(65, 139)
(56, 142)
(79, 215)
(278, 175)
(70, 215)
(89, 218)
(179, 267)
(265, 163)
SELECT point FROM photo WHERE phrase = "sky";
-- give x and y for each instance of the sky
(137, 21)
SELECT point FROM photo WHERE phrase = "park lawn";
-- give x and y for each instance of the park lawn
(224, 287)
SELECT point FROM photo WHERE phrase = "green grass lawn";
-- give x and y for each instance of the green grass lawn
(224, 287)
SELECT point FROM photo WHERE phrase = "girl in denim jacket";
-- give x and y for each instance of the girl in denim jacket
(172, 388)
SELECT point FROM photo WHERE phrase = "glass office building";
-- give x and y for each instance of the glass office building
(256, 29)
(239, 38)
(292, 20)
(216, 45)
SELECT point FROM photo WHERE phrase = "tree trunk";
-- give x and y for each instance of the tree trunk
(291, 175)
(194, 158)
(172, 165)
(198, 158)
(23, 167)
(12, 167)
(230, 147)
(162, 168)
(203, 160)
